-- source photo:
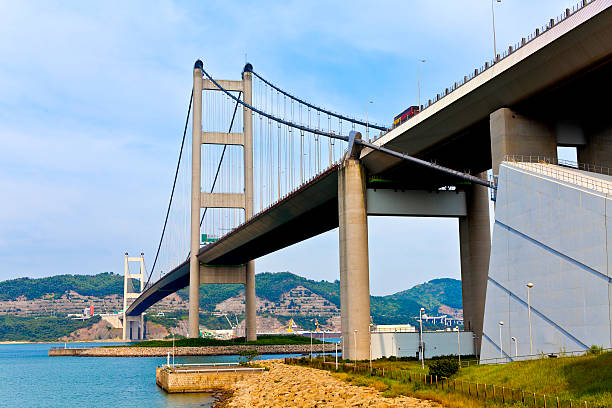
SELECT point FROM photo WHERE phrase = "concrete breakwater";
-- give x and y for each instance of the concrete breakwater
(190, 351)
(202, 379)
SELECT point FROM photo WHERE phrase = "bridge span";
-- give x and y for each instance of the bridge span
(550, 89)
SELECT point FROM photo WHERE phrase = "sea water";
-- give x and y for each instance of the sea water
(30, 378)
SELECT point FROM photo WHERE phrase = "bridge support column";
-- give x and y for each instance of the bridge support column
(598, 148)
(196, 175)
(475, 249)
(515, 134)
(354, 268)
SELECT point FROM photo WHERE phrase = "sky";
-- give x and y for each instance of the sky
(93, 97)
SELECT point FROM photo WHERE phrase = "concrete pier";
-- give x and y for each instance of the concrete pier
(201, 379)
(354, 268)
(475, 248)
(516, 134)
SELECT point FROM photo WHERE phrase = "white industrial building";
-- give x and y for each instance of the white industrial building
(435, 343)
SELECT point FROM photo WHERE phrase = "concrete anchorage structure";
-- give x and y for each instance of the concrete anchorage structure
(552, 230)
(199, 272)
(133, 326)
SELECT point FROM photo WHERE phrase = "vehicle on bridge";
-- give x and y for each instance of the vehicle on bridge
(405, 115)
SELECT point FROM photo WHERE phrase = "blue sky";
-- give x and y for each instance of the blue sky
(93, 97)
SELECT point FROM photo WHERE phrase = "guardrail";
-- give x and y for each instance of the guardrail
(555, 168)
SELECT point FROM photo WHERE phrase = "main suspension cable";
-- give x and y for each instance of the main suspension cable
(249, 68)
(173, 188)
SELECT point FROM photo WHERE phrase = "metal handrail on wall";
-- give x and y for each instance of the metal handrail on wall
(555, 168)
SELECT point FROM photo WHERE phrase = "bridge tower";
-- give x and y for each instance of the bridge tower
(199, 273)
(133, 326)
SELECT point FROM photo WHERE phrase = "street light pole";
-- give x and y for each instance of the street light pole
(529, 286)
(368, 121)
(421, 338)
(458, 346)
(370, 331)
(494, 41)
(355, 349)
(501, 346)
(419, 80)
(515, 347)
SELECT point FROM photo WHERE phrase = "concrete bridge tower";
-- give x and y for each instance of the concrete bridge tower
(199, 273)
(133, 326)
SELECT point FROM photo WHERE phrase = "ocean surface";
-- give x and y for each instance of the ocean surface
(30, 378)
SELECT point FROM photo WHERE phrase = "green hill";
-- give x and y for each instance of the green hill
(102, 284)
(400, 307)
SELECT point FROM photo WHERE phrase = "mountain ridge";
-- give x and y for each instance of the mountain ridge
(401, 306)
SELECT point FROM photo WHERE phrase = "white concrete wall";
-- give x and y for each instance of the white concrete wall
(555, 235)
(407, 344)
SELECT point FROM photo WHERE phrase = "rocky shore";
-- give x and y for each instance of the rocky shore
(188, 351)
(294, 386)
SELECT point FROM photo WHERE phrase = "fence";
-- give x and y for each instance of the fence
(541, 165)
(479, 391)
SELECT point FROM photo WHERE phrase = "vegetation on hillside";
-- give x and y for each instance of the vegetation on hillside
(14, 328)
(267, 339)
(102, 284)
(400, 307)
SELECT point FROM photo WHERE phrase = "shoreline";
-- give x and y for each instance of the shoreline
(8, 342)
(189, 351)
(283, 385)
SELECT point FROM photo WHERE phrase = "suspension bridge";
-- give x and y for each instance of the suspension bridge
(267, 169)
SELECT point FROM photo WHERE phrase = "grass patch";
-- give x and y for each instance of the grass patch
(584, 378)
(267, 339)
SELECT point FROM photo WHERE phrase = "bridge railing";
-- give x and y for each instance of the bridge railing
(556, 169)
(507, 52)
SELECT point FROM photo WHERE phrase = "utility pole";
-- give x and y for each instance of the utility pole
(421, 338)
(494, 41)
(529, 286)
(419, 79)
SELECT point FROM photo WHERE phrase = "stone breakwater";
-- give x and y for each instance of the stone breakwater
(295, 386)
(189, 351)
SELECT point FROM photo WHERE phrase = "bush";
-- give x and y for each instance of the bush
(443, 367)
(594, 350)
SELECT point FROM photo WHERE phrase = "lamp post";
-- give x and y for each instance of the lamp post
(419, 80)
(494, 42)
(515, 347)
(458, 346)
(355, 349)
(421, 338)
(529, 286)
(370, 331)
(501, 346)
(368, 121)
(311, 345)
(323, 346)
(336, 356)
